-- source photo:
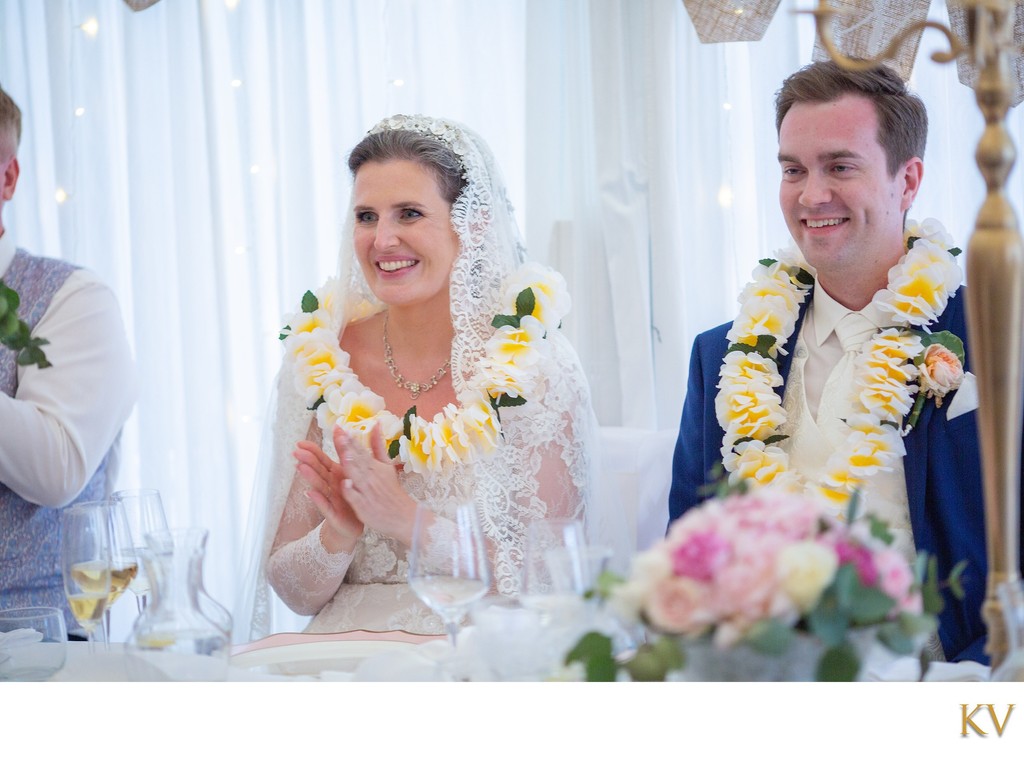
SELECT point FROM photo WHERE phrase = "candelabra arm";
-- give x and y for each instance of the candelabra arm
(825, 13)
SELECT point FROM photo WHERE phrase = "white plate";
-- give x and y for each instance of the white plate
(314, 658)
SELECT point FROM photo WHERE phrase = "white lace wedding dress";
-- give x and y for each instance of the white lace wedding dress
(543, 465)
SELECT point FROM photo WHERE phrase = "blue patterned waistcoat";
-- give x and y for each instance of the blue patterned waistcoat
(30, 534)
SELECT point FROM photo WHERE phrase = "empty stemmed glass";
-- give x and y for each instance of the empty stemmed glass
(144, 511)
(448, 565)
(85, 563)
(556, 567)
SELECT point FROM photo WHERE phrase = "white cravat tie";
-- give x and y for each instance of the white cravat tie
(853, 330)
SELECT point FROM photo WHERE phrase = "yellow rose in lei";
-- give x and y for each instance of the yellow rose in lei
(756, 462)
(751, 411)
(355, 411)
(550, 292)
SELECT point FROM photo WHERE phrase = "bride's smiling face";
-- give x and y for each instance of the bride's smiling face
(403, 237)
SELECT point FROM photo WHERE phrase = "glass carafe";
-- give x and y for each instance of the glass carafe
(207, 605)
(174, 639)
(1011, 595)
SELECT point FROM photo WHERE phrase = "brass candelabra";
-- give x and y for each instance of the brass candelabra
(995, 271)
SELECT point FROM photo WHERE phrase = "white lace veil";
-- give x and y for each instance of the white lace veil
(491, 249)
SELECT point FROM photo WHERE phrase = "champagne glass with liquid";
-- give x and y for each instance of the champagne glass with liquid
(144, 511)
(124, 559)
(85, 563)
(448, 565)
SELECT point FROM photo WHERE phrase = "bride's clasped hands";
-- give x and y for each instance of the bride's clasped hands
(360, 490)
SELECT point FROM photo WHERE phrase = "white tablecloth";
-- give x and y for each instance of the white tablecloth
(396, 657)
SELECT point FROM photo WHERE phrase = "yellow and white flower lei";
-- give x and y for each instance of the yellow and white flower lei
(750, 410)
(536, 299)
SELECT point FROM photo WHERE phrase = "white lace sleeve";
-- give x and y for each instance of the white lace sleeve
(304, 574)
(545, 469)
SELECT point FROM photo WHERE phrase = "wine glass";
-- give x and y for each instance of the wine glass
(144, 511)
(448, 566)
(556, 569)
(124, 559)
(85, 563)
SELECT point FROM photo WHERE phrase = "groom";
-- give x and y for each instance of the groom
(850, 147)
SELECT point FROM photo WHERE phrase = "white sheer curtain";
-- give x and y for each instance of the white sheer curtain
(666, 195)
(202, 149)
(202, 143)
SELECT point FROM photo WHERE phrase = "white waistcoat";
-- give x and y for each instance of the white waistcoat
(811, 441)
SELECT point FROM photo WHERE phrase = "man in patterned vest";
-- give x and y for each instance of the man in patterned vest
(59, 426)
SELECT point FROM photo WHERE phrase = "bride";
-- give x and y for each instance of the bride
(432, 370)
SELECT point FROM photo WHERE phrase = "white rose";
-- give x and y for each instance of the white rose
(805, 569)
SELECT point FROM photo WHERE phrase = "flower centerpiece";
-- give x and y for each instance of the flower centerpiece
(765, 573)
(15, 333)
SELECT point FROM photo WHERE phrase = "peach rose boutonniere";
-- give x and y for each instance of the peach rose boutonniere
(940, 371)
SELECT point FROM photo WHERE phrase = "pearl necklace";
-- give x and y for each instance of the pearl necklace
(414, 388)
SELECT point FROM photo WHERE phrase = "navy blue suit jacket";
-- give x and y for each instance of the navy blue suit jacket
(942, 467)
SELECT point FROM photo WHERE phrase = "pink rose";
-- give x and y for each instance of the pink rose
(860, 557)
(941, 370)
(700, 555)
(896, 579)
(680, 605)
(746, 588)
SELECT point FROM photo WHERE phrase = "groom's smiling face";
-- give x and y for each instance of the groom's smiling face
(842, 206)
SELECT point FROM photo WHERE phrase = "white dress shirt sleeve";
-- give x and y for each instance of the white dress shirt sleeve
(62, 420)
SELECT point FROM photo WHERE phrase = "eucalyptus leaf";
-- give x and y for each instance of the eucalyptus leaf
(869, 605)
(852, 506)
(769, 636)
(914, 625)
(931, 598)
(828, 621)
(893, 637)
(838, 664)
(880, 530)
(594, 651)
(670, 652)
